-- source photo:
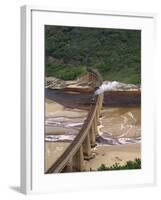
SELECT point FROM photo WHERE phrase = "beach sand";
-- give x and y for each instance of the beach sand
(53, 150)
(104, 154)
(109, 155)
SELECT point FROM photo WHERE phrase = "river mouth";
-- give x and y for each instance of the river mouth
(119, 132)
(66, 112)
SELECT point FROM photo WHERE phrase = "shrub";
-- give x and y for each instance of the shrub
(136, 164)
(115, 53)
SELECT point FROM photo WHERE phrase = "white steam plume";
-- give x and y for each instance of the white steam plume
(106, 87)
(114, 85)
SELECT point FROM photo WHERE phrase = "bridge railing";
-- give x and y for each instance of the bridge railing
(81, 148)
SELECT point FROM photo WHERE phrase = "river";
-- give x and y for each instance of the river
(119, 134)
(120, 117)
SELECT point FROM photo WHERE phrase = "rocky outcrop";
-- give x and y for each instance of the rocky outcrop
(80, 85)
(54, 83)
(84, 84)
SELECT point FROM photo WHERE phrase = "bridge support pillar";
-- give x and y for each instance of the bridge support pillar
(101, 101)
(92, 136)
(95, 126)
(78, 160)
(87, 148)
(69, 166)
(98, 117)
(99, 109)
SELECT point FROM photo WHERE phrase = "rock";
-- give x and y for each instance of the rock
(54, 83)
(80, 85)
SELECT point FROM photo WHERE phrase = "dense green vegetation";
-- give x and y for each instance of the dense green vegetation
(136, 164)
(70, 51)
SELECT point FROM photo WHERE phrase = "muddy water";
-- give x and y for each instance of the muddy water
(119, 124)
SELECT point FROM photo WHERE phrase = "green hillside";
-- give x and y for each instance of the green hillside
(71, 50)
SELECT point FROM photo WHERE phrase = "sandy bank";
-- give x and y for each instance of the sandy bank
(57, 113)
(53, 151)
(109, 155)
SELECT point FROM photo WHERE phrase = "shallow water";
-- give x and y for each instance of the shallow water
(119, 124)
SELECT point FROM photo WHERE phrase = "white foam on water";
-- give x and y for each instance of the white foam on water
(65, 123)
(51, 122)
(127, 140)
(117, 141)
(55, 138)
(59, 119)
(99, 131)
(73, 125)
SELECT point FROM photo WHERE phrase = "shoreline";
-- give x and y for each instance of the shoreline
(104, 154)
